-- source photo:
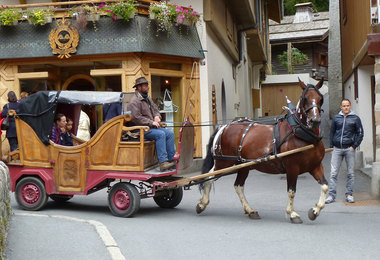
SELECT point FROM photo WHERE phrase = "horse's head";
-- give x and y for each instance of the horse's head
(310, 104)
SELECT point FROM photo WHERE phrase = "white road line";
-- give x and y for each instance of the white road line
(100, 228)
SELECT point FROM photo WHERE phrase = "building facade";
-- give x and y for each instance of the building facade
(226, 49)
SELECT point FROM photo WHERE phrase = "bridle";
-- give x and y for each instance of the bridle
(303, 98)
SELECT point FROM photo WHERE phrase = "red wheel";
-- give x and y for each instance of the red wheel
(30, 193)
(123, 200)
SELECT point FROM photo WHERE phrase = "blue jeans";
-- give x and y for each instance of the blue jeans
(165, 147)
(336, 161)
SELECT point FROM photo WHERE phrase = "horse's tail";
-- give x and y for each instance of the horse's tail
(208, 163)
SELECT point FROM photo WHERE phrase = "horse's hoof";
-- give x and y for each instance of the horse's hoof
(296, 220)
(312, 215)
(199, 209)
(254, 215)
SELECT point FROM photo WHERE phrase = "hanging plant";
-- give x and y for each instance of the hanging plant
(164, 14)
(186, 16)
(40, 16)
(9, 16)
(120, 10)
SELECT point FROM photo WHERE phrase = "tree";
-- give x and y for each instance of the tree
(298, 58)
(318, 5)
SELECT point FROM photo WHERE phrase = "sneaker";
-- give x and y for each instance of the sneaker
(329, 200)
(350, 199)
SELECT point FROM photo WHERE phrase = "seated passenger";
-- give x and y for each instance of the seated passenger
(68, 136)
(145, 113)
(84, 127)
(111, 110)
(58, 129)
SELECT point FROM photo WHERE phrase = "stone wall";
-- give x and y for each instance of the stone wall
(335, 66)
(5, 207)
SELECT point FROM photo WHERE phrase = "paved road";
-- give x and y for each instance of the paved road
(85, 229)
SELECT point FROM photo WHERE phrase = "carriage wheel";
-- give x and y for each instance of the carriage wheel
(169, 198)
(123, 199)
(59, 198)
(30, 193)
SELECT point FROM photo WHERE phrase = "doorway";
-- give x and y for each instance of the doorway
(172, 87)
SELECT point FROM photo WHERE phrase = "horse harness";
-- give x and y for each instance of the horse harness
(296, 127)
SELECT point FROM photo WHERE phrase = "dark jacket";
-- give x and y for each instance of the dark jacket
(67, 139)
(346, 131)
(143, 110)
(110, 111)
(56, 135)
(11, 132)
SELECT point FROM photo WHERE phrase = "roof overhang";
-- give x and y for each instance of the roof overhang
(243, 11)
(139, 35)
(275, 10)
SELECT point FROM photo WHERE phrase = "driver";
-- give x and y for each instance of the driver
(145, 113)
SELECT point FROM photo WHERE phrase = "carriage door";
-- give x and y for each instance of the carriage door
(69, 169)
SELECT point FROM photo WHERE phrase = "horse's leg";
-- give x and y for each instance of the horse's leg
(292, 183)
(318, 175)
(205, 200)
(239, 187)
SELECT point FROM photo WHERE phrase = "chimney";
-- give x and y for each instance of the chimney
(304, 13)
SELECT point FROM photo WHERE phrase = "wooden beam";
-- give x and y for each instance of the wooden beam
(106, 72)
(32, 75)
(166, 73)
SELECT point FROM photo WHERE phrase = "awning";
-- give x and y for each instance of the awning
(137, 35)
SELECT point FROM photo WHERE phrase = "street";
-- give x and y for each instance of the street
(222, 231)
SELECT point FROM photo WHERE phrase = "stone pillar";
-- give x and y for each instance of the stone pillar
(375, 181)
(335, 66)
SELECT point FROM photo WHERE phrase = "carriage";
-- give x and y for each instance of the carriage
(127, 167)
(40, 168)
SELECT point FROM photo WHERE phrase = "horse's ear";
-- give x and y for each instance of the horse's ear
(319, 84)
(303, 86)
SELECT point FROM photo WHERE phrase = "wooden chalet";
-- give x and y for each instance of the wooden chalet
(104, 54)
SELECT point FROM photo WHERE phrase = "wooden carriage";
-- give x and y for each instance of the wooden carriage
(39, 169)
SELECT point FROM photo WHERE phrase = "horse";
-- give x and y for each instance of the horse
(243, 141)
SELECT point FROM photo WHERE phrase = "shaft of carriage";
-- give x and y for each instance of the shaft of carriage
(205, 177)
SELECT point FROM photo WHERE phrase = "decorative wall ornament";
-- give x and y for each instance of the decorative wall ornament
(64, 40)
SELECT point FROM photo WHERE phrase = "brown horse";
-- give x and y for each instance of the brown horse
(239, 142)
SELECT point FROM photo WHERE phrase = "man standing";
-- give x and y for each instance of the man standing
(346, 134)
(145, 113)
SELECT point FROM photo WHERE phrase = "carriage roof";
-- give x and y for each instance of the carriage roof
(38, 109)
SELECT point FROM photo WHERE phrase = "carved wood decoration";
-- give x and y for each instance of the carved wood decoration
(64, 40)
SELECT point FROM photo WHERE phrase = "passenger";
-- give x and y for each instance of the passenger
(84, 127)
(111, 110)
(68, 136)
(59, 128)
(11, 132)
(145, 113)
(23, 95)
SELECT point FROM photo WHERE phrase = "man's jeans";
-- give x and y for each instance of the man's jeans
(336, 161)
(165, 147)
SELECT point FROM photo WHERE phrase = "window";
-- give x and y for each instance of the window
(323, 60)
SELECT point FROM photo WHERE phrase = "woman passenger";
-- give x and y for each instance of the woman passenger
(11, 132)
(59, 128)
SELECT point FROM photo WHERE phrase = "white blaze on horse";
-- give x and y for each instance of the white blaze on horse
(245, 140)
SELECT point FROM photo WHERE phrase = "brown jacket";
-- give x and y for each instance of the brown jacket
(143, 110)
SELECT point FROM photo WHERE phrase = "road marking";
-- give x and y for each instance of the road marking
(100, 228)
